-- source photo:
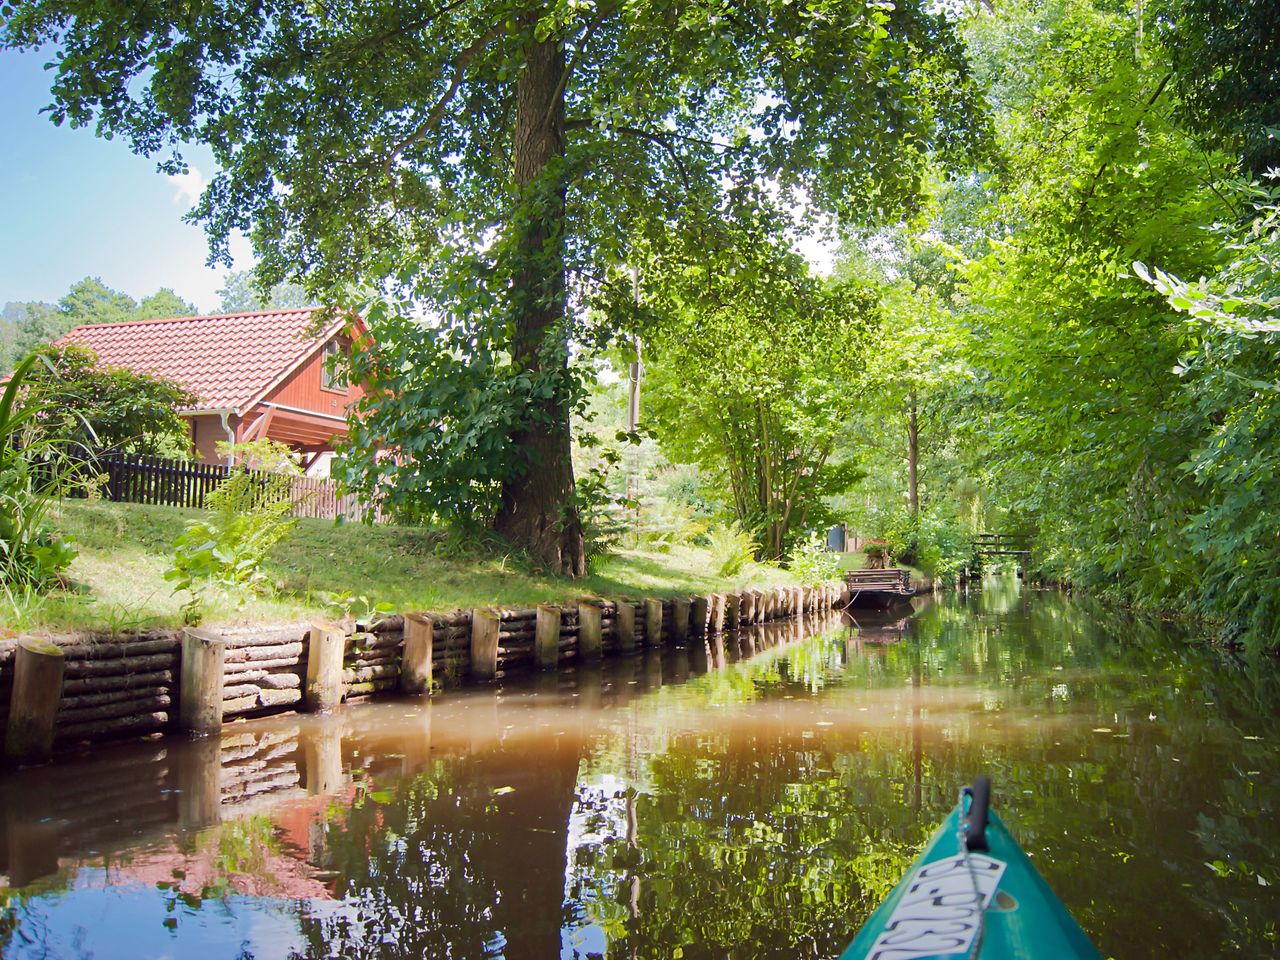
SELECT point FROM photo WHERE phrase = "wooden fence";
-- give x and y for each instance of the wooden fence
(186, 483)
(100, 686)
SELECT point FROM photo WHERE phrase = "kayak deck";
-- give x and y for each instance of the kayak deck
(990, 904)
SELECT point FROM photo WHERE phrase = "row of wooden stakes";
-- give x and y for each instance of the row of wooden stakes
(207, 679)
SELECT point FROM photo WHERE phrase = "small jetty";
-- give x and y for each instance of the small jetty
(877, 589)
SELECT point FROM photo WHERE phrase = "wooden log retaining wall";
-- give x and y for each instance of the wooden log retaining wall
(129, 686)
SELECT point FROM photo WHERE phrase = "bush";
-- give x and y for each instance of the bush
(111, 408)
(811, 562)
(935, 544)
(732, 548)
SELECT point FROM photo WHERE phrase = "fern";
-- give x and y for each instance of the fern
(732, 548)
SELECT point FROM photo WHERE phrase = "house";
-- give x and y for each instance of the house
(257, 375)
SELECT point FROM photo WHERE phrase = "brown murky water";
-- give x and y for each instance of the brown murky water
(752, 799)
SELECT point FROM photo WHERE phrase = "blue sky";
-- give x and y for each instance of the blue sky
(73, 205)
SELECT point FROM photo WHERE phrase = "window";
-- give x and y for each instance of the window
(334, 374)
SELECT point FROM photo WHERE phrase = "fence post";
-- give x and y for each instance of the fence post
(731, 607)
(200, 702)
(680, 620)
(546, 637)
(326, 643)
(485, 625)
(415, 663)
(624, 625)
(589, 630)
(715, 611)
(698, 610)
(653, 622)
(38, 666)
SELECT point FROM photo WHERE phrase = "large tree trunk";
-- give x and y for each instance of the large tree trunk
(538, 511)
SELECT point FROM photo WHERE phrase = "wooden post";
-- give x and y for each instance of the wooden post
(200, 699)
(680, 620)
(653, 622)
(484, 644)
(698, 611)
(624, 625)
(748, 607)
(589, 630)
(326, 643)
(546, 637)
(732, 604)
(715, 611)
(33, 705)
(415, 663)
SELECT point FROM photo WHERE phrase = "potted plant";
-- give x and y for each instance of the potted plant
(877, 552)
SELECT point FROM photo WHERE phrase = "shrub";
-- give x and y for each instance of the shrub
(811, 562)
(732, 548)
(936, 544)
(111, 408)
(248, 515)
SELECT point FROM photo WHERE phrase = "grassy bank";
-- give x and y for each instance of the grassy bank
(118, 583)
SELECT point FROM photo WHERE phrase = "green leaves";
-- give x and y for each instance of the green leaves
(248, 515)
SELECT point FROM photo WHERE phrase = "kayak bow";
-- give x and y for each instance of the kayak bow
(971, 893)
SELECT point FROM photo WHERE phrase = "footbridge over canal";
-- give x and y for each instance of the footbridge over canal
(989, 545)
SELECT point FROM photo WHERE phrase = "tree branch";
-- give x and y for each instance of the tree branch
(573, 61)
(437, 111)
(657, 138)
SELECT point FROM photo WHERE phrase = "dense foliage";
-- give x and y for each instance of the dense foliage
(753, 369)
(487, 163)
(109, 409)
(520, 197)
(31, 480)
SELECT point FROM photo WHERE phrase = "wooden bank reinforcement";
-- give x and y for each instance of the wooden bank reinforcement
(87, 688)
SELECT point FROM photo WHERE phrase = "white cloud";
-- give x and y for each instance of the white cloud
(188, 186)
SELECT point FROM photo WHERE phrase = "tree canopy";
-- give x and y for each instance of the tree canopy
(487, 163)
(32, 325)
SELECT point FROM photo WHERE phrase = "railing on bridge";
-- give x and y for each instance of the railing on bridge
(1002, 545)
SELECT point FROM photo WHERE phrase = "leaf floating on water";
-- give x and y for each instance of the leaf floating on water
(499, 791)
(1101, 729)
(1253, 738)
(823, 723)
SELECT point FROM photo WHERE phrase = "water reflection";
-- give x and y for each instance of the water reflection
(755, 796)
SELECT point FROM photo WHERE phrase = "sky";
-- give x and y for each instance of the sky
(73, 205)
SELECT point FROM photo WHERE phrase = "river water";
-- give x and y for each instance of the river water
(752, 799)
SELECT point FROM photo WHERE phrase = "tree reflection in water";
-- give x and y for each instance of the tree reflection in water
(761, 808)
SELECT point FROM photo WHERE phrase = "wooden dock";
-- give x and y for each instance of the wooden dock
(878, 589)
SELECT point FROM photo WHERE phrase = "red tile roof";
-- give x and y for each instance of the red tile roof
(229, 360)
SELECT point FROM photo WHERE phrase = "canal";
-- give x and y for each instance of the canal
(755, 798)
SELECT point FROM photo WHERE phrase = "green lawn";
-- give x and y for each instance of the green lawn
(117, 581)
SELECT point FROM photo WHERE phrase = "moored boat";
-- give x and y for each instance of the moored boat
(972, 893)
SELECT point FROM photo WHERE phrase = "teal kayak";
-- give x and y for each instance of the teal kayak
(972, 893)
